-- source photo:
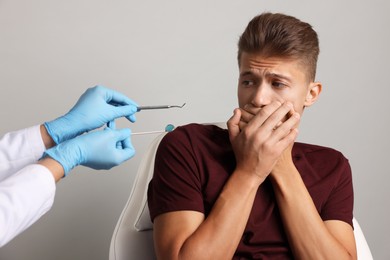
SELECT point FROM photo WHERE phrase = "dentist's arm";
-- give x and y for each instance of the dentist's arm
(52, 165)
(27, 186)
(29, 193)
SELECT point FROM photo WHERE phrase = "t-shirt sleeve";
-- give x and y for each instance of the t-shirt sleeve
(176, 182)
(339, 205)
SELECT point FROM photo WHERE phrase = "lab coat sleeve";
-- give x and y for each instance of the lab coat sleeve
(24, 198)
(19, 149)
(26, 189)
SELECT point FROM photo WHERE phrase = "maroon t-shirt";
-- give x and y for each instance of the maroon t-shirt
(194, 162)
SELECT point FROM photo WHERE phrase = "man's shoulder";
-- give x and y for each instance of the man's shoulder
(196, 130)
(313, 150)
(197, 127)
(196, 133)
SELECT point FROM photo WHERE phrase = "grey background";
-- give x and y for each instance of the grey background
(170, 52)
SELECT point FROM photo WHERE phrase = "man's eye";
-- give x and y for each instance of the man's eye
(278, 84)
(247, 83)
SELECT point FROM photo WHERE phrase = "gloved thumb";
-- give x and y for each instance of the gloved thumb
(125, 150)
(123, 135)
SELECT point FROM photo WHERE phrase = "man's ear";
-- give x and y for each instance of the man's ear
(313, 93)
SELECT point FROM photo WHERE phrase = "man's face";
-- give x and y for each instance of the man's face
(263, 80)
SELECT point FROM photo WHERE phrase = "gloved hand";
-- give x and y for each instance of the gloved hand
(96, 107)
(101, 149)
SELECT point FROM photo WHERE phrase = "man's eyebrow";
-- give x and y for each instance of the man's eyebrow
(246, 73)
(280, 76)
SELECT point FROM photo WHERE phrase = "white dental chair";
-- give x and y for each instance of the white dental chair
(133, 234)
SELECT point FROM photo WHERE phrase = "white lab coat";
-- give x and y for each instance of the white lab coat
(27, 189)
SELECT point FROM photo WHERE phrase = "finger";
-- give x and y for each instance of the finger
(242, 125)
(128, 150)
(131, 118)
(125, 111)
(286, 127)
(288, 115)
(233, 124)
(279, 115)
(251, 109)
(127, 142)
(122, 134)
(289, 139)
(127, 153)
(115, 97)
(111, 125)
(119, 145)
(246, 116)
(263, 115)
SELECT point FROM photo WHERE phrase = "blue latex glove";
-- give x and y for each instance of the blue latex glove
(96, 107)
(102, 149)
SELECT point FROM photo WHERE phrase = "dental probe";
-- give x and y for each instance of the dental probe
(158, 107)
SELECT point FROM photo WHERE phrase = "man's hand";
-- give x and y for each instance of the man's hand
(260, 136)
(96, 107)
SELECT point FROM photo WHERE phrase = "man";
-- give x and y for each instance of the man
(250, 192)
(32, 160)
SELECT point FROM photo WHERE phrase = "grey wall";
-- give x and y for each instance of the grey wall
(170, 52)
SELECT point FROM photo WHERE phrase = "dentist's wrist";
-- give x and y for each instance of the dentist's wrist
(46, 138)
(54, 167)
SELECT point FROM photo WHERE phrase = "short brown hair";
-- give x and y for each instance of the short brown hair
(280, 35)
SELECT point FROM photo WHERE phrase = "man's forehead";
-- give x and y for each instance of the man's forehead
(257, 64)
(261, 61)
(259, 68)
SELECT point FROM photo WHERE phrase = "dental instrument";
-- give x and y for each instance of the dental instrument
(159, 107)
(168, 128)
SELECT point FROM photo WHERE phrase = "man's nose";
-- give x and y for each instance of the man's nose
(262, 96)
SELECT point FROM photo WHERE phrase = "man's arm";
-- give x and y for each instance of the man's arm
(187, 234)
(309, 236)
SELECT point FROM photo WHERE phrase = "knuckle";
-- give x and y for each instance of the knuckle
(270, 149)
(91, 89)
(246, 133)
(98, 88)
(268, 146)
